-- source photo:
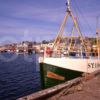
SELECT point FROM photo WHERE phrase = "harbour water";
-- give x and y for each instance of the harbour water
(19, 75)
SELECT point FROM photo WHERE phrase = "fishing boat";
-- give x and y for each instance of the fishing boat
(64, 61)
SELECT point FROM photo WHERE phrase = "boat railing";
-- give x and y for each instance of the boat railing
(74, 54)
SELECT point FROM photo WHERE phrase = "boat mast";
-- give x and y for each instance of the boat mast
(97, 37)
(75, 23)
(59, 35)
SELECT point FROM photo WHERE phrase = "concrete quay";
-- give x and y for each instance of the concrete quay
(86, 87)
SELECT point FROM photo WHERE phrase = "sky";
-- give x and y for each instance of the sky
(37, 20)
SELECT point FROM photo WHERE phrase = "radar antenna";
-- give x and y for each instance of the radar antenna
(68, 6)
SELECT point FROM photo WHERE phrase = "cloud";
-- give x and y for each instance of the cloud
(42, 19)
(33, 19)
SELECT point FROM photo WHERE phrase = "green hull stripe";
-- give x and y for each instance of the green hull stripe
(49, 82)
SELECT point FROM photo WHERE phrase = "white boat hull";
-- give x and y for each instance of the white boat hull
(77, 64)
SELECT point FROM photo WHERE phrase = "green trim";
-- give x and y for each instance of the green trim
(49, 82)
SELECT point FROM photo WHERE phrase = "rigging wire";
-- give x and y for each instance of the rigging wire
(78, 19)
(78, 10)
